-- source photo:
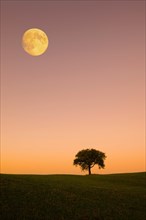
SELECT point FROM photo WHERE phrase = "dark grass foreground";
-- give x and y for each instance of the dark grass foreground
(71, 197)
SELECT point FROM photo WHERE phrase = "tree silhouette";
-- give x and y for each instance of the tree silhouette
(87, 158)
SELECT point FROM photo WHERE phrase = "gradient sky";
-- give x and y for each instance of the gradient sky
(86, 91)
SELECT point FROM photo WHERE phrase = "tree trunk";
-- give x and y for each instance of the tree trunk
(89, 169)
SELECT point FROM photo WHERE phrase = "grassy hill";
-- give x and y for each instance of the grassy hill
(72, 197)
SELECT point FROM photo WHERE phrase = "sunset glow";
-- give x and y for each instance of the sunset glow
(86, 91)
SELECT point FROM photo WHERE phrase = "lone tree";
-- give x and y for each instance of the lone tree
(88, 158)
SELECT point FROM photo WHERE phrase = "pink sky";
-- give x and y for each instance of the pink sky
(86, 91)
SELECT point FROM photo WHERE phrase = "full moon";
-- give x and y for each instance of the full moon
(35, 41)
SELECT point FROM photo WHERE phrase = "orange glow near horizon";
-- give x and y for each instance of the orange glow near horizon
(86, 91)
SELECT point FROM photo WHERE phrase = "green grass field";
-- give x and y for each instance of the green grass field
(73, 197)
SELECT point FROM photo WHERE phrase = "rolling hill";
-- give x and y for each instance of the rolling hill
(73, 197)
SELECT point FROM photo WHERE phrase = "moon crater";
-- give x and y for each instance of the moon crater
(35, 41)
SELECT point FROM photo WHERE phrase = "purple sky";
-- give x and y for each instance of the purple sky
(86, 91)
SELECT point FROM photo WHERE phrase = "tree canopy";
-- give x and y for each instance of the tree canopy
(88, 158)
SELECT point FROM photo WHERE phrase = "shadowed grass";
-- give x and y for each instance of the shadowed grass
(72, 197)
